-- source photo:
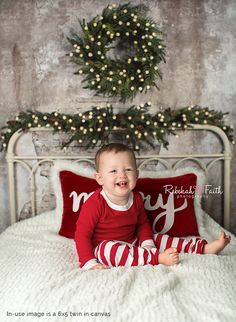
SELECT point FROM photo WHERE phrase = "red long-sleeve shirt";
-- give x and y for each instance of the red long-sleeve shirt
(102, 220)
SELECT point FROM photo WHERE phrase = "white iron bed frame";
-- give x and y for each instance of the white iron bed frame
(12, 158)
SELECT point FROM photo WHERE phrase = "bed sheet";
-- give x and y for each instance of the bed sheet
(40, 280)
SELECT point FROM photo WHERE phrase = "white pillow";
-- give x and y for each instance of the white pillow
(83, 169)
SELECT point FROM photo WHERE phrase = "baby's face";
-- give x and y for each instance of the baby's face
(117, 174)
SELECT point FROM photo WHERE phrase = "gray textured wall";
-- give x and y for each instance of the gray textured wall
(35, 73)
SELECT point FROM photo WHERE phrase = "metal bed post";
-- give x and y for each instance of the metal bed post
(227, 155)
(10, 157)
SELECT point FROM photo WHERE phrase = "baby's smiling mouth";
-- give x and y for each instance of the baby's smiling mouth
(121, 184)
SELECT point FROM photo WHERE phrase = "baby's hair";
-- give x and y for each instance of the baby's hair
(112, 147)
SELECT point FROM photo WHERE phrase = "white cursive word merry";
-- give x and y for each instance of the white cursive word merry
(168, 212)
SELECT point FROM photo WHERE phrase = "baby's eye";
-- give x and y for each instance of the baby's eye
(113, 171)
(128, 169)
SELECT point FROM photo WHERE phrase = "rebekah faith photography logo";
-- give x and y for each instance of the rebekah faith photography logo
(193, 191)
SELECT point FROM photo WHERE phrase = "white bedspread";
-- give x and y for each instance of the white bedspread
(40, 280)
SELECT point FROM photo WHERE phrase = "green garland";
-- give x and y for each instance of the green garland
(137, 71)
(94, 127)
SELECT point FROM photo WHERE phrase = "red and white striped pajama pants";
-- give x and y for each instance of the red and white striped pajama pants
(117, 253)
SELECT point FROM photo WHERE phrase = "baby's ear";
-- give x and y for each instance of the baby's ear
(98, 178)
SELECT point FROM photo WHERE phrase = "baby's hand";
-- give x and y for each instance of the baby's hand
(99, 266)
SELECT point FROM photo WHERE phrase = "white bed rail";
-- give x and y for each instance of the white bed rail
(12, 158)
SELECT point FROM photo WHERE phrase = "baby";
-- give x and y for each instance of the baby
(113, 228)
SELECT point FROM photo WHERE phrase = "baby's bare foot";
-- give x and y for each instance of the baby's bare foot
(217, 245)
(169, 257)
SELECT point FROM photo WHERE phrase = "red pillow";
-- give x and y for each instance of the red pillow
(75, 190)
(169, 203)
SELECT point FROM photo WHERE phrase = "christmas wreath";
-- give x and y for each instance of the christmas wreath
(127, 29)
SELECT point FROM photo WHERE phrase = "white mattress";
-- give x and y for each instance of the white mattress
(39, 275)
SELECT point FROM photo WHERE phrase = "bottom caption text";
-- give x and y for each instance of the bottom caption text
(58, 314)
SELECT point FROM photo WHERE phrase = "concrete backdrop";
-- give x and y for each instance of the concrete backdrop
(35, 73)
